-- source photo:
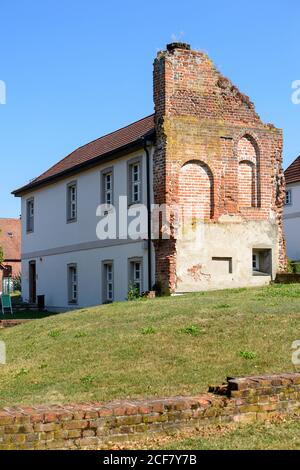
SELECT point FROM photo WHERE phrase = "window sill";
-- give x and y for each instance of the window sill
(71, 221)
(259, 273)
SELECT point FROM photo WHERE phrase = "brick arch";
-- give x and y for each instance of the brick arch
(248, 172)
(196, 190)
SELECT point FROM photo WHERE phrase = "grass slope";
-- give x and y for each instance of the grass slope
(167, 346)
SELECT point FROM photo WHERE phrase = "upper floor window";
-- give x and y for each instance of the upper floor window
(288, 197)
(135, 182)
(72, 202)
(30, 215)
(107, 184)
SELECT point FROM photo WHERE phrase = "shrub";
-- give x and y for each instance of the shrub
(17, 283)
(133, 292)
(249, 355)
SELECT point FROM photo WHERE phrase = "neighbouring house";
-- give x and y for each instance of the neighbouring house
(292, 210)
(10, 242)
(204, 151)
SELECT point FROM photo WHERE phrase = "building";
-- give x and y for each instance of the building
(204, 151)
(10, 242)
(292, 210)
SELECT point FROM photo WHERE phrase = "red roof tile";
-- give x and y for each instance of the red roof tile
(96, 149)
(292, 173)
(10, 238)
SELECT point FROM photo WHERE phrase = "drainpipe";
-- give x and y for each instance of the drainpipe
(147, 143)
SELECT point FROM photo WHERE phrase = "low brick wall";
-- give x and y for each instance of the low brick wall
(10, 323)
(287, 278)
(88, 426)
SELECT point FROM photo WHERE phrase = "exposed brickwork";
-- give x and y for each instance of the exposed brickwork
(90, 426)
(199, 202)
(201, 116)
(11, 323)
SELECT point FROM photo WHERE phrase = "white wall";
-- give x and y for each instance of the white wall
(55, 243)
(292, 223)
(52, 275)
(50, 227)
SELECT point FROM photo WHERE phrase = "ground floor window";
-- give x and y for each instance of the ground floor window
(73, 283)
(255, 261)
(135, 274)
(108, 285)
(262, 262)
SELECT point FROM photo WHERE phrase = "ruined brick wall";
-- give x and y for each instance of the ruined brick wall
(202, 117)
(97, 425)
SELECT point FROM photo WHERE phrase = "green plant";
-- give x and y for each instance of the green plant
(17, 283)
(221, 306)
(133, 292)
(21, 372)
(149, 330)
(191, 330)
(80, 334)
(87, 379)
(249, 355)
(54, 333)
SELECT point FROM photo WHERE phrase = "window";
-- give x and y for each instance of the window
(108, 287)
(135, 274)
(30, 215)
(135, 182)
(72, 202)
(288, 197)
(255, 262)
(107, 184)
(262, 262)
(73, 283)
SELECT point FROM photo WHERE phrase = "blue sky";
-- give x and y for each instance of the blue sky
(77, 69)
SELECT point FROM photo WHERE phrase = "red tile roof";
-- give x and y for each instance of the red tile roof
(10, 238)
(94, 151)
(292, 173)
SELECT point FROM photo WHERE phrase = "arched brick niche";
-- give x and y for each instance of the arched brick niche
(196, 190)
(248, 173)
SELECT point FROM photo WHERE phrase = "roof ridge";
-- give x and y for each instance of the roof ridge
(88, 143)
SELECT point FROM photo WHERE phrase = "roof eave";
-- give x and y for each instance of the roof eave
(137, 144)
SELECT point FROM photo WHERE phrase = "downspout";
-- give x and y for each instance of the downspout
(149, 241)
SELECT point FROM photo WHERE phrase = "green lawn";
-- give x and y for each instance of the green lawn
(24, 315)
(283, 435)
(160, 347)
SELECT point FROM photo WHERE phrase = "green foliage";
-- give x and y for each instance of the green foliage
(54, 333)
(133, 292)
(87, 380)
(17, 283)
(149, 330)
(191, 330)
(249, 355)
(222, 306)
(80, 334)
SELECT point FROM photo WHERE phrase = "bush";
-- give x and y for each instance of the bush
(17, 283)
(133, 292)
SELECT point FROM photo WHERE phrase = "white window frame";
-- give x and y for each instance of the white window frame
(133, 278)
(255, 261)
(108, 191)
(72, 284)
(30, 215)
(288, 197)
(135, 181)
(72, 202)
(108, 281)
